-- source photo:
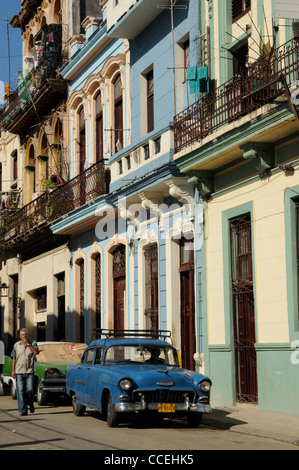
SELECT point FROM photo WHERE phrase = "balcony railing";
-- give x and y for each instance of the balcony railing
(55, 203)
(260, 84)
(46, 61)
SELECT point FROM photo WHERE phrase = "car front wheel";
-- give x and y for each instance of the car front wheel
(194, 419)
(78, 409)
(112, 417)
(41, 397)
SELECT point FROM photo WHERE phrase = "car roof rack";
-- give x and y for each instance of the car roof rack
(110, 333)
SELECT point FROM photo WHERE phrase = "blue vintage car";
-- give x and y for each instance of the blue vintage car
(130, 372)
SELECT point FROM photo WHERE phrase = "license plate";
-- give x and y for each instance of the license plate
(166, 407)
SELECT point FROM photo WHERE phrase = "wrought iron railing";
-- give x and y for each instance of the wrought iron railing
(53, 204)
(258, 85)
(47, 63)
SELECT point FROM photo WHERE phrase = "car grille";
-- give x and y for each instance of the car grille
(163, 396)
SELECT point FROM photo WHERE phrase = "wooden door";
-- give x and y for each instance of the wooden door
(188, 343)
(119, 302)
(243, 310)
(119, 287)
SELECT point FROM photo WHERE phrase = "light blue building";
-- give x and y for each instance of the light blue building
(135, 261)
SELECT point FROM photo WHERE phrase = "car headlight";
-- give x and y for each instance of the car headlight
(52, 372)
(204, 386)
(125, 384)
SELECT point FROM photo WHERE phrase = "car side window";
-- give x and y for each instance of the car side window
(89, 356)
(99, 355)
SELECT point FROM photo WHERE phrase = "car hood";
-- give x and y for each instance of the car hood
(151, 376)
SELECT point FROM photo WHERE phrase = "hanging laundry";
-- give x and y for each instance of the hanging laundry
(51, 38)
(203, 78)
(198, 79)
(192, 79)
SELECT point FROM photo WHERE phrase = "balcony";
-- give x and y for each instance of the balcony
(28, 10)
(41, 88)
(33, 218)
(128, 18)
(262, 83)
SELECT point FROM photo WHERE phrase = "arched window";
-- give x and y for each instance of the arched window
(82, 140)
(43, 171)
(57, 148)
(118, 114)
(30, 173)
(99, 128)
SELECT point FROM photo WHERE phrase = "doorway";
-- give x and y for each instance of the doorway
(243, 309)
(119, 287)
(187, 318)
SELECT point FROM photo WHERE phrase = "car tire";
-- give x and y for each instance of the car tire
(112, 417)
(78, 409)
(41, 396)
(194, 419)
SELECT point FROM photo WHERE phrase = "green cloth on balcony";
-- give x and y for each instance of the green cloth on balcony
(23, 90)
(198, 79)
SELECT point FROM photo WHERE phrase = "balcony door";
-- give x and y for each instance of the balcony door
(82, 156)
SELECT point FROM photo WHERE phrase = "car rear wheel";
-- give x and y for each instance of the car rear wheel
(78, 409)
(112, 417)
(194, 419)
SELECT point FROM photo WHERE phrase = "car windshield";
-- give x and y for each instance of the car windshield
(141, 354)
(60, 352)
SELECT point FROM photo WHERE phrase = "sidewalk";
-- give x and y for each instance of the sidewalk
(247, 419)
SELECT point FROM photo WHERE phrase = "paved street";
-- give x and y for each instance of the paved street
(57, 428)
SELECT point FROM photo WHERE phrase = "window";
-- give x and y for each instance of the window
(60, 332)
(89, 357)
(240, 59)
(150, 100)
(14, 165)
(146, 152)
(157, 144)
(239, 7)
(99, 128)
(186, 50)
(41, 299)
(118, 115)
(82, 151)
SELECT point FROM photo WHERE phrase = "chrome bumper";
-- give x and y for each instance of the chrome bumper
(126, 407)
(55, 389)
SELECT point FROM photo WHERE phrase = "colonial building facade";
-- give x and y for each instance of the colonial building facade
(241, 142)
(173, 133)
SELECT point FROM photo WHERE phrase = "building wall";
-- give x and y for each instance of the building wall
(269, 200)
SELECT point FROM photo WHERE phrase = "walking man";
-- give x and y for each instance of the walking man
(23, 366)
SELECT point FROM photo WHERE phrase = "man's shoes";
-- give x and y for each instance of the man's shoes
(32, 409)
(24, 413)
